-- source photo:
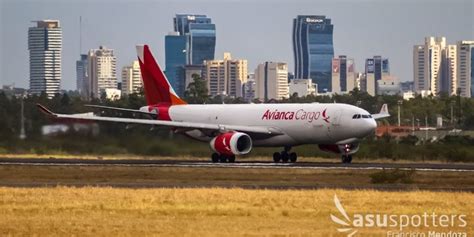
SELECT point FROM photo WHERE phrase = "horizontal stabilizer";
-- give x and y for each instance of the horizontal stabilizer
(383, 113)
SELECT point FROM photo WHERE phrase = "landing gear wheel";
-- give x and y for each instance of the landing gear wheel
(284, 156)
(293, 157)
(346, 159)
(215, 157)
(231, 159)
(223, 158)
(276, 157)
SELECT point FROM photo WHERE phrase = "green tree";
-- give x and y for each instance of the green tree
(197, 92)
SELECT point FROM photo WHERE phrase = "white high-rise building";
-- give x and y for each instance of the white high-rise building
(376, 69)
(465, 68)
(343, 74)
(360, 82)
(431, 63)
(389, 85)
(302, 87)
(226, 77)
(45, 44)
(248, 90)
(131, 78)
(451, 53)
(272, 81)
(102, 71)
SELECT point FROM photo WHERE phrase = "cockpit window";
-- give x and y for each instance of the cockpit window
(358, 116)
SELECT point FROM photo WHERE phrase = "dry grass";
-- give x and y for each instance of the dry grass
(206, 212)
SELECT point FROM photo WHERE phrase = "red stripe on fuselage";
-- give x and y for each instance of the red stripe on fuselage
(163, 111)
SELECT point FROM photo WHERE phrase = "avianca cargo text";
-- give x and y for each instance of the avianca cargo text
(299, 114)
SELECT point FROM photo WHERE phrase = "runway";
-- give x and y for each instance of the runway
(456, 167)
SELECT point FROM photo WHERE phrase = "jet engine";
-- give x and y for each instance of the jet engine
(232, 143)
(347, 149)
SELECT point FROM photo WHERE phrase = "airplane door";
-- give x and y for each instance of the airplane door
(335, 122)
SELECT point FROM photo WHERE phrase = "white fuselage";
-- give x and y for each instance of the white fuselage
(299, 123)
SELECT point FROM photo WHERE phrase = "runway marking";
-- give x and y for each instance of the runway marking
(242, 165)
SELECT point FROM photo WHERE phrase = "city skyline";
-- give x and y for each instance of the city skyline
(249, 37)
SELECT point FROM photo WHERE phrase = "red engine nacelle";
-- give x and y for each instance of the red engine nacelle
(347, 149)
(232, 143)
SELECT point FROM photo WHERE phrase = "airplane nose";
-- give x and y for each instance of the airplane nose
(373, 124)
(370, 126)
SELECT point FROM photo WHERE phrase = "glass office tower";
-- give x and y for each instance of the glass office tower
(175, 57)
(192, 42)
(313, 49)
(201, 36)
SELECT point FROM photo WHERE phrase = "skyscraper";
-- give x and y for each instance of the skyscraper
(432, 65)
(226, 77)
(271, 80)
(376, 69)
(343, 75)
(45, 44)
(102, 71)
(192, 42)
(248, 89)
(313, 49)
(452, 81)
(176, 58)
(201, 36)
(82, 78)
(302, 87)
(131, 78)
(465, 68)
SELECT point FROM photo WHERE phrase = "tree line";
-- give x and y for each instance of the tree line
(143, 140)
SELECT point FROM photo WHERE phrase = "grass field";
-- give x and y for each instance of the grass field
(90, 211)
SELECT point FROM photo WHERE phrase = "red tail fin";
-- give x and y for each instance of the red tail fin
(157, 87)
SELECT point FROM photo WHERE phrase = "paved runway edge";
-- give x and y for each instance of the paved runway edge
(241, 164)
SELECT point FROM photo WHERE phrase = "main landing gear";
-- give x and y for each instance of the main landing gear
(285, 156)
(346, 159)
(222, 158)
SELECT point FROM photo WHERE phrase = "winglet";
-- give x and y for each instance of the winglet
(45, 110)
(383, 112)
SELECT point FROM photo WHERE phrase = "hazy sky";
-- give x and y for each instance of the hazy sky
(254, 30)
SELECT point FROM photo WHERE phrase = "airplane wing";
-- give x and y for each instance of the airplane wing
(172, 124)
(383, 113)
(153, 115)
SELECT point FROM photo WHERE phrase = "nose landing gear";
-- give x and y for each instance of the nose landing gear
(346, 159)
(285, 156)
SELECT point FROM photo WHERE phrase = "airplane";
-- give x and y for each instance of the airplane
(234, 129)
